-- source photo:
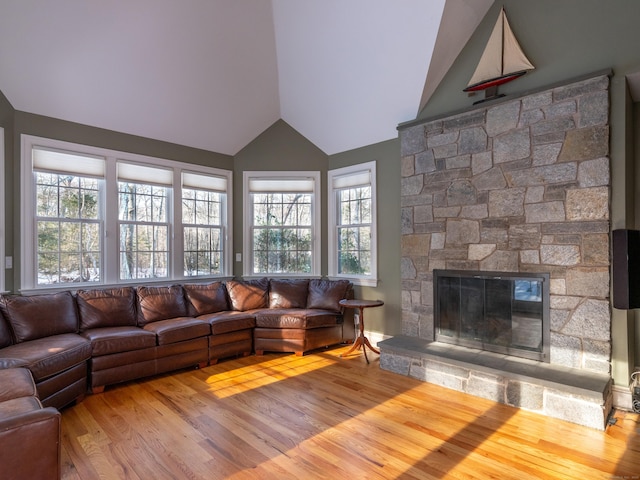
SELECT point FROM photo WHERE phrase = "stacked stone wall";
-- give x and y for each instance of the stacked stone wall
(519, 186)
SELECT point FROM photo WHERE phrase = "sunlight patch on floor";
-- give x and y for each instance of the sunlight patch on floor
(265, 372)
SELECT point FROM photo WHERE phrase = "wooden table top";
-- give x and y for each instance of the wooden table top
(361, 303)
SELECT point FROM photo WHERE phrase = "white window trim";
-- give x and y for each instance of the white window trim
(3, 194)
(332, 218)
(316, 248)
(109, 260)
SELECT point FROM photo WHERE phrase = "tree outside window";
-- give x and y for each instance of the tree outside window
(282, 223)
(68, 228)
(281, 233)
(352, 223)
(144, 230)
(354, 231)
(202, 227)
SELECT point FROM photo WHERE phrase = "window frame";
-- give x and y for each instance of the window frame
(333, 216)
(316, 232)
(109, 256)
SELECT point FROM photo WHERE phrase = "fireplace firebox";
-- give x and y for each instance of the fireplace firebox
(502, 312)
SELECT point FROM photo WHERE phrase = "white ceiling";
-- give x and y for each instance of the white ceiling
(214, 74)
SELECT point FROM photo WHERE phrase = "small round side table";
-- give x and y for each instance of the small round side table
(361, 340)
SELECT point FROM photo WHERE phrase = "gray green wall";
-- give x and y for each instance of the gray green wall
(280, 147)
(386, 320)
(569, 39)
(7, 114)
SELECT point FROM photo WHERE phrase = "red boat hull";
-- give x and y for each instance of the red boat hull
(494, 82)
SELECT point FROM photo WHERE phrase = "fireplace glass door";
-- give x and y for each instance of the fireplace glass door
(493, 311)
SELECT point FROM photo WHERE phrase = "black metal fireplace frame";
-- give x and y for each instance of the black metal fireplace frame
(541, 355)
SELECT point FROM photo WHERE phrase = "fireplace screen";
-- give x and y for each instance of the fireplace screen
(493, 311)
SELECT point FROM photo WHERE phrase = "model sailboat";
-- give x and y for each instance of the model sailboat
(502, 60)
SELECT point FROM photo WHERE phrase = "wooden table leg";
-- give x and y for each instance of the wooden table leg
(361, 340)
(357, 343)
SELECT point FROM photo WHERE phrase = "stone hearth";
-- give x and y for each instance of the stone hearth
(521, 185)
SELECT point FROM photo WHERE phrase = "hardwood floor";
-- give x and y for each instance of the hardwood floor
(320, 416)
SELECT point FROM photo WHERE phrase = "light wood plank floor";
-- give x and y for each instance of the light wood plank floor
(320, 416)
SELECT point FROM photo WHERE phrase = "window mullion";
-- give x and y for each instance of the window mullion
(110, 260)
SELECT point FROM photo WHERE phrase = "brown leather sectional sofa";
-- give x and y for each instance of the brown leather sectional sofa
(29, 433)
(70, 343)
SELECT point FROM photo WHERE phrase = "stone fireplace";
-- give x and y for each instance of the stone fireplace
(519, 186)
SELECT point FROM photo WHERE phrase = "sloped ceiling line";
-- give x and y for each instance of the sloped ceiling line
(214, 74)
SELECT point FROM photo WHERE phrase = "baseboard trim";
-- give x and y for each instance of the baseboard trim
(622, 398)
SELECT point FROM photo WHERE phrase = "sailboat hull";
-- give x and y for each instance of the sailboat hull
(494, 82)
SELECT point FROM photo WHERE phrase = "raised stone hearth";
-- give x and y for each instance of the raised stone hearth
(521, 185)
(578, 396)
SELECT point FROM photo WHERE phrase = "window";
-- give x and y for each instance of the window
(203, 218)
(352, 223)
(143, 221)
(282, 223)
(67, 216)
(104, 217)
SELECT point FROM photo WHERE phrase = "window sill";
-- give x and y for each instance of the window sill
(129, 283)
(359, 281)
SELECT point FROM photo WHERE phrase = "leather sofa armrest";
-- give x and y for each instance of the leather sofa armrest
(30, 445)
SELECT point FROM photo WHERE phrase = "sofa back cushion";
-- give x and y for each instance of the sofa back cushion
(326, 294)
(6, 337)
(109, 307)
(285, 293)
(39, 316)
(160, 303)
(206, 298)
(248, 295)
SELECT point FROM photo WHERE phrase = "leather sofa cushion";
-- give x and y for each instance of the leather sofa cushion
(288, 293)
(18, 406)
(108, 340)
(325, 294)
(295, 318)
(6, 337)
(230, 321)
(40, 316)
(160, 303)
(16, 382)
(206, 298)
(49, 356)
(178, 329)
(111, 307)
(248, 295)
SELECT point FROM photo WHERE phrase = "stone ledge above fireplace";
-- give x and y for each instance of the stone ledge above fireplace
(565, 393)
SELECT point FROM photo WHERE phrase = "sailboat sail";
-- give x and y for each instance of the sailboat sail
(502, 60)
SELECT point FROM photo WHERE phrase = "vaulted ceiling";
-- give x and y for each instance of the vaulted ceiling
(214, 74)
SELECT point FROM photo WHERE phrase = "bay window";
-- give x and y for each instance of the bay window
(92, 216)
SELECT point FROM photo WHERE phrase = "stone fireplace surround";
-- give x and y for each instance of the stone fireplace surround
(516, 185)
